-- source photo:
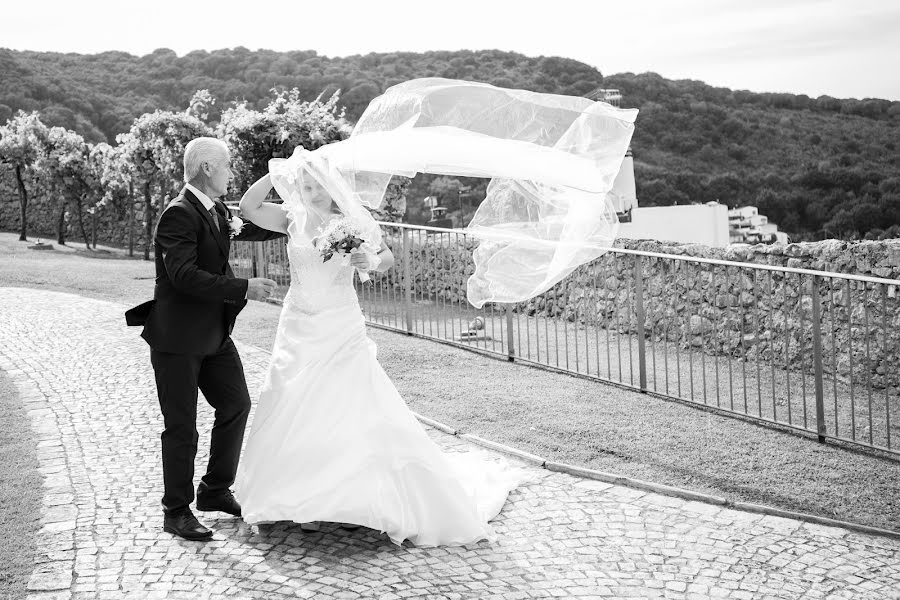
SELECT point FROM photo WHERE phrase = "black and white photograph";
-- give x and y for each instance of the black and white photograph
(464, 301)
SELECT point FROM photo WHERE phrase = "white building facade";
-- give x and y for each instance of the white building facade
(705, 224)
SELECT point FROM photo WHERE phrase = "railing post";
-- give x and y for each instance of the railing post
(639, 309)
(407, 281)
(510, 348)
(817, 357)
(259, 260)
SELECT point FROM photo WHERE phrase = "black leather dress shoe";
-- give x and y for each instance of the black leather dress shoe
(186, 525)
(224, 502)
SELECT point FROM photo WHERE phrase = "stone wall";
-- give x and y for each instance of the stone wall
(719, 310)
(43, 215)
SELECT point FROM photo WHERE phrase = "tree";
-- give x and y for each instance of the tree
(255, 137)
(202, 105)
(155, 147)
(117, 181)
(393, 207)
(21, 143)
(65, 167)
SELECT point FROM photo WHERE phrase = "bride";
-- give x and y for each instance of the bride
(332, 439)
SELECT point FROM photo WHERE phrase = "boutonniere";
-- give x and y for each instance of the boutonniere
(235, 224)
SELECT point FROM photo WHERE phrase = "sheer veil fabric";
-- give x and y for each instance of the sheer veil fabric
(552, 161)
(332, 438)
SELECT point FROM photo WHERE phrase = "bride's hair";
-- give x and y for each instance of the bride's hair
(199, 151)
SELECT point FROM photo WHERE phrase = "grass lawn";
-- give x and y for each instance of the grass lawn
(560, 417)
(20, 493)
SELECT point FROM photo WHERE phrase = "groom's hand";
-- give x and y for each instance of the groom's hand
(259, 288)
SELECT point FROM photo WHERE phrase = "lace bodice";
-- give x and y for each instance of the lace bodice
(316, 284)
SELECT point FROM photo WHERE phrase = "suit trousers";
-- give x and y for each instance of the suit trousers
(220, 376)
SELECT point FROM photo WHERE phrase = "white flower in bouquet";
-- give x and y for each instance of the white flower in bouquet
(342, 236)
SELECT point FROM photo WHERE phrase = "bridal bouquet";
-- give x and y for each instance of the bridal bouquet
(342, 236)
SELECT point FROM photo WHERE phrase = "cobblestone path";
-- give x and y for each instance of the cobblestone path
(87, 384)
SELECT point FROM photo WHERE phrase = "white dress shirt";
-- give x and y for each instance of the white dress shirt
(204, 199)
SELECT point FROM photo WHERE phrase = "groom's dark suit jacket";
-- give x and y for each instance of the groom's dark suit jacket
(197, 297)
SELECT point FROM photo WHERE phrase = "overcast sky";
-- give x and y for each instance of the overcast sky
(843, 48)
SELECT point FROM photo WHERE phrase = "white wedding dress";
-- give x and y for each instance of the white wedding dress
(333, 440)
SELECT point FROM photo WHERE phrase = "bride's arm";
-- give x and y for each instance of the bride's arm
(267, 215)
(363, 260)
(387, 258)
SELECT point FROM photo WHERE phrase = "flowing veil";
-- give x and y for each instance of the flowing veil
(552, 161)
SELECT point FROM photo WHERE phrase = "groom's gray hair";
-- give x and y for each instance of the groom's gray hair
(201, 150)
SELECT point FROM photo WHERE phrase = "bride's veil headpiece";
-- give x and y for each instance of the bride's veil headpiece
(552, 160)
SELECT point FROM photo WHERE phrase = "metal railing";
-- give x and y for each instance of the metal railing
(808, 350)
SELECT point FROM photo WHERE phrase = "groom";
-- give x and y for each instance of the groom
(188, 325)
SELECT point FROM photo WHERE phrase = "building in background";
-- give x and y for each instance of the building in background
(747, 226)
(705, 224)
(439, 216)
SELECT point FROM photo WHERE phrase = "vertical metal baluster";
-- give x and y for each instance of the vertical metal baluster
(653, 333)
(419, 282)
(758, 344)
(436, 238)
(607, 324)
(640, 317)
(453, 305)
(714, 338)
(817, 361)
(431, 246)
(802, 347)
(787, 341)
(399, 292)
(703, 350)
(407, 280)
(427, 306)
(729, 310)
(628, 333)
(387, 306)
(677, 266)
(510, 342)
(565, 324)
(668, 322)
(447, 313)
(391, 297)
(584, 312)
(772, 345)
(494, 340)
(715, 349)
(546, 332)
(537, 334)
(868, 364)
(384, 303)
(428, 277)
(690, 342)
(596, 316)
(617, 306)
(743, 336)
(884, 352)
(556, 338)
(850, 338)
(834, 369)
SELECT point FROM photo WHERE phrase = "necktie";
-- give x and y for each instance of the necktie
(215, 218)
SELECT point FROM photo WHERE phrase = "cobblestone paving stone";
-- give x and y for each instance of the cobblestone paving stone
(87, 383)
